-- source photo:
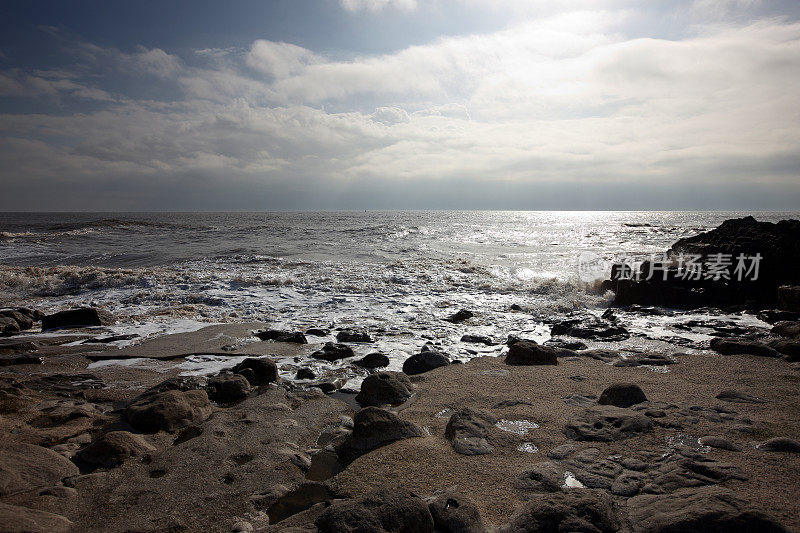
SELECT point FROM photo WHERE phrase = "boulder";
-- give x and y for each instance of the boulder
(545, 476)
(453, 512)
(305, 373)
(372, 360)
(25, 466)
(23, 319)
(333, 352)
(460, 316)
(15, 519)
(586, 510)
(607, 423)
(257, 370)
(529, 353)
(478, 339)
(277, 335)
(628, 484)
(698, 510)
(349, 335)
(317, 332)
(227, 388)
(78, 318)
(780, 444)
(384, 388)
(787, 328)
(591, 327)
(373, 428)
(114, 448)
(387, 511)
(468, 429)
(622, 395)
(169, 410)
(424, 361)
(742, 346)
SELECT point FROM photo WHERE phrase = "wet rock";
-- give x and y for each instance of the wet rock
(606, 424)
(566, 344)
(698, 510)
(790, 348)
(591, 328)
(373, 428)
(622, 395)
(305, 373)
(460, 316)
(720, 443)
(395, 511)
(329, 385)
(384, 388)
(25, 467)
(628, 484)
(586, 510)
(114, 448)
(780, 444)
(468, 429)
(453, 512)
(787, 329)
(15, 519)
(169, 410)
(742, 346)
(478, 339)
(257, 370)
(349, 335)
(333, 352)
(562, 452)
(545, 476)
(424, 362)
(372, 360)
(277, 335)
(77, 318)
(227, 388)
(738, 397)
(529, 353)
(317, 332)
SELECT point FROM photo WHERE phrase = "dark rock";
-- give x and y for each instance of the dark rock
(8, 326)
(372, 360)
(168, 410)
(349, 335)
(20, 359)
(26, 467)
(789, 298)
(628, 484)
(478, 339)
(584, 510)
(693, 471)
(333, 352)
(258, 371)
(562, 452)
(384, 388)
(738, 397)
(77, 318)
(790, 348)
(227, 388)
(424, 361)
(622, 395)
(606, 424)
(742, 346)
(566, 344)
(277, 335)
(395, 511)
(373, 428)
(24, 320)
(305, 373)
(528, 353)
(772, 316)
(114, 448)
(329, 385)
(16, 519)
(515, 307)
(698, 510)
(298, 500)
(460, 316)
(590, 328)
(720, 443)
(540, 477)
(787, 329)
(780, 444)
(317, 332)
(453, 512)
(467, 430)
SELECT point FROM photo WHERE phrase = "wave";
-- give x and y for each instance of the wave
(25, 282)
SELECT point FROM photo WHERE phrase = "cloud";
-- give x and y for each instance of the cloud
(377, 5)
(279, 59)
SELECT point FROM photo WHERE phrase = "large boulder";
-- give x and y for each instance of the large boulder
(742, 347)
(584, 510)
(373, 428)
(698, 510)
(622, 395)
(78, 318)
(15, 519)
(257, 370)
(468, 429)
(388, 511)
(228, 388)
(529, 353)
(332, 351)
(453, 512)
(25, 466)
(424, 361)
(607, 423)
(384, 388)
(169, 410)
(114, 448)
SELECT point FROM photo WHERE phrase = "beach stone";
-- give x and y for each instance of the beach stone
(606, 424)
(318, 332)
(169, 410)
(528, 353)
(478, 339)
(460, 316)
(257, 370)
(228, 388)
(349, 335)
(787, 328)
(622, 395)
(277, 335)
(790, 348)
(467, 431)
(545, 476)
(565, 344)
(562, 452)
(742, 346)
(25, 466)
(720, 443)
(738, 397)
(114, 448)
(628, 484)
(384, 388)
(780, 444)
(372, 360)
(453, 512)
(591, 328)
(15, 519)
(698, 510)
(386, 511)
(585, 510)
(373, 428)
(305, 373)
(332, 351)
(76, 318)
(424, 362)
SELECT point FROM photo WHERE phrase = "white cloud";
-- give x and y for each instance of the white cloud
(279, 59)
(377, 5)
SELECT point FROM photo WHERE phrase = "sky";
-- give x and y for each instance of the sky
(399, 104)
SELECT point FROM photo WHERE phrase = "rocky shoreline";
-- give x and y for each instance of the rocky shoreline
(580, 433)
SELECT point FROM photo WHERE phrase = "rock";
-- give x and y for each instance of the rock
(528, 353)
(24, 320)
(349, 335)
(20, 359)
(468, 429)
(187, 434)
(738, 397)
(227, 388)
(586, 510)
(720, 443)
(460, 316)
(772, 316)
(169, 410)
(257, 370)
(8, 326)
(373, 428)
(16, 519)
(606, 424)
(787, 329)
(333, 352)
(540, 477)
(424, 362)
(478, 339)
(680, 472)
(789, 298)
(278, 335)
(622, 395)
(317, 332)
(25, 467)
(628, 484)
(395, 511)
(790, 348)
(742, 346)
(298, 500)
(77, 318)
(566, 344)
(329, 385)
(698, 510)
(114, 448)
(562, 452)
(372, 360)
(453, 512)
(305, 373)
(590, 328)
(384, 388)
(780, 444)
